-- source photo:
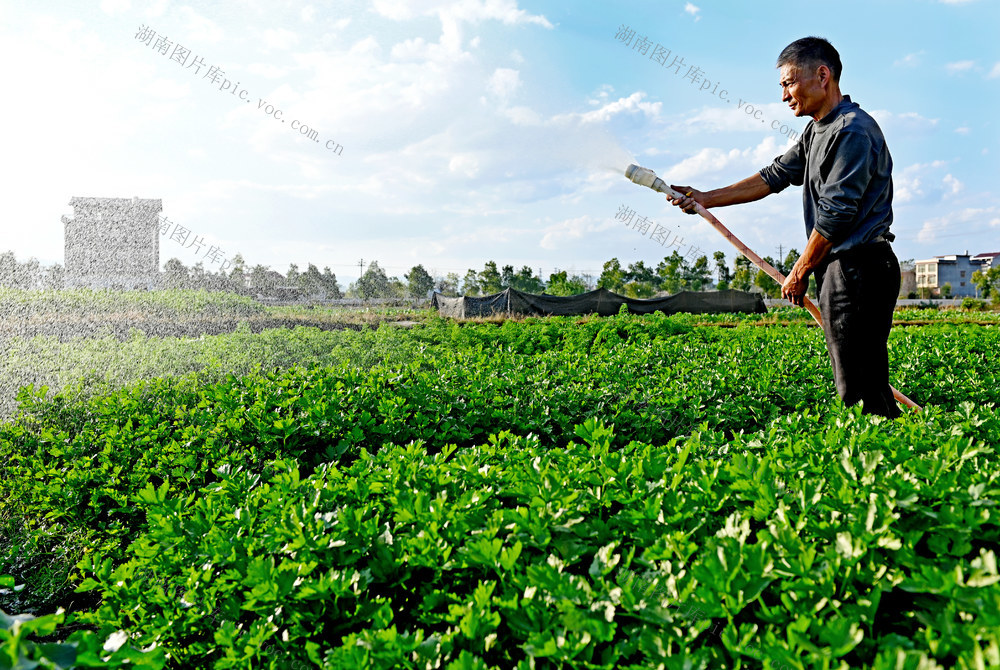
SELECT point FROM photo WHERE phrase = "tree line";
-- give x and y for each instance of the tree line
(638, 280)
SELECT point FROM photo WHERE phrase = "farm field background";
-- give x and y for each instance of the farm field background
(626, 492)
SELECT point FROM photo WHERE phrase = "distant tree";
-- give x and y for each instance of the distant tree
(671, 273)
(742, 277)
(525, 280)
(946, 290)
(641, 280)
(373, 283)
(419, 281)
(311, 282)
(766, 283)
(330, 284)
(19, 275)
(293, 274)
(447, 285)
(396, 289)
(721, 270)
(54, 278)
(30, 274)
(455, 281)
(988, 282)
(261, 282)
(790, 260)
(175, 274)
(238, 274)
(489, 279)
(470, 283)
(698, 276)
(198, 276)
(8, 269)
(506, 277)
(560, 284)
(612, 276)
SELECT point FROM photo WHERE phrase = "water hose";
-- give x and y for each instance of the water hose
(646, 177)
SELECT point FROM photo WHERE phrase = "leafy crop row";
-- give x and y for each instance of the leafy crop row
(469, 505)
(22, 304)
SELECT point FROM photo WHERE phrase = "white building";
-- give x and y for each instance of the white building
(113, 243)
(955, 270)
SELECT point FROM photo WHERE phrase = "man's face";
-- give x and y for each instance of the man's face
(802, 88)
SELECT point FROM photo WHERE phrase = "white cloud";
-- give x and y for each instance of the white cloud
(712, 162)
(995, 72)
(464, 165)
(692, 10)
(114, 7)
(279, 38)
(956, 224)
(716, 118)
(952, 184)
(963, 130)
(200, 29)
(522, 116)
(632, 104)
(959, 66)
(923, 184)
(909, 60)
(557, 235)
(156, 8)
(504, 83)
(894, 124)
(454, 14)
(469, 11)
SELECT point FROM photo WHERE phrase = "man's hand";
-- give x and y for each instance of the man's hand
(687, 202)
(797, 281)
(795, 286)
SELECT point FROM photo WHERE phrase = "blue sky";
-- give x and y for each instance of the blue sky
(475, 130)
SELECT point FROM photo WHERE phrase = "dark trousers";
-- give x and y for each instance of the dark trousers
(857, 294)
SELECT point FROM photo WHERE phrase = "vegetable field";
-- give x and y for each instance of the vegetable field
(627, 492)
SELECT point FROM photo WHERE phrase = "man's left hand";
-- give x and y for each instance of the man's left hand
(795, 286)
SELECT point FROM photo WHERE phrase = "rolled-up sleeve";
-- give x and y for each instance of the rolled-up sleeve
(789, 168)
(846, 170)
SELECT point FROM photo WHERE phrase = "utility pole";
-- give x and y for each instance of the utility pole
(361, 267)
(781, 254)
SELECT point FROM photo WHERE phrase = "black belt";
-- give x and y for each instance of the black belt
(860, 249)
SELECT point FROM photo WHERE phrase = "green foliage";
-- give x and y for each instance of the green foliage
(419, 281)
(19, 649)
(612, 276)
(87, 303)
(373, 283)
(742, 274)
(561, 284)
(988, 282)
(623, 492)
(973, 305)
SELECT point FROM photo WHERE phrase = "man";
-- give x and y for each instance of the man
(844, 165)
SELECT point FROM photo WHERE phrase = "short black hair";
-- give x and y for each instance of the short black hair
(811, 52)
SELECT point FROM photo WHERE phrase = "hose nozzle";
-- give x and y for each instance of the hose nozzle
(646, 177)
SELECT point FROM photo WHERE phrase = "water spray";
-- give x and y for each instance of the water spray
(646, 177)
